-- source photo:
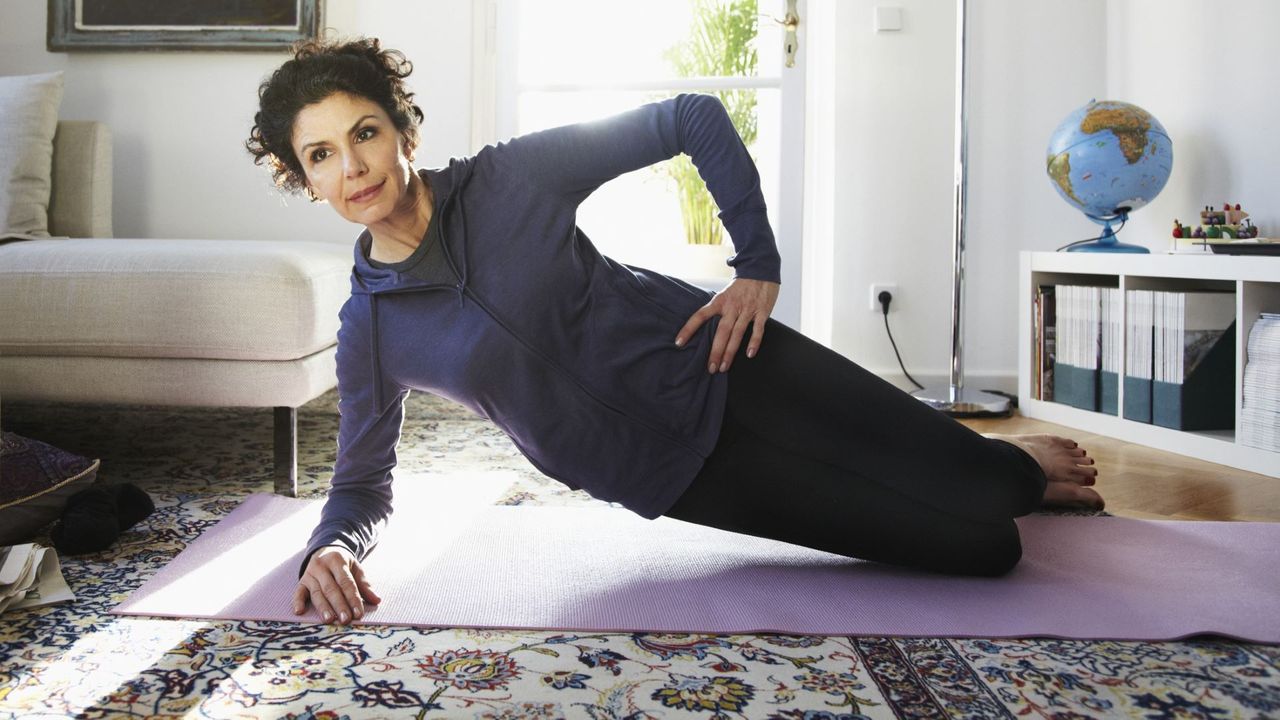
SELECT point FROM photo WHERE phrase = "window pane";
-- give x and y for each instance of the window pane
(636, 218)
(589, 41)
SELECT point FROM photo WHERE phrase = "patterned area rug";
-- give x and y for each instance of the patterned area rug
(75, 660)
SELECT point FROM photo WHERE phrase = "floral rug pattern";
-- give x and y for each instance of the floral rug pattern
(77, 660)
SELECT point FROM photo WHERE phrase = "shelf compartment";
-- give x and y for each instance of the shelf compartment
(1256, 284)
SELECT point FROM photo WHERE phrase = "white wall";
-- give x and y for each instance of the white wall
(1030, 62)
(180, 119)
(892, 176)
(1209, 71)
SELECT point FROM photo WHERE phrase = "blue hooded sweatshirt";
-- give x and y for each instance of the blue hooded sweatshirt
(570, 353)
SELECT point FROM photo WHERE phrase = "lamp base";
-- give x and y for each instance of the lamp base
(964, 402)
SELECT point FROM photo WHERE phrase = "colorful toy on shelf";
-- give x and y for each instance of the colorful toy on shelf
(1209, 216)
(1230, 224)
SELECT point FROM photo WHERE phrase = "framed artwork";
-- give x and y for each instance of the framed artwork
(180, 24)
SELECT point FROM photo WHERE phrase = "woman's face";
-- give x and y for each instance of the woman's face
(353, 157)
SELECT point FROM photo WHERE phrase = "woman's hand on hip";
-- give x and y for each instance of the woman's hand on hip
(335, 584)
(742, 303)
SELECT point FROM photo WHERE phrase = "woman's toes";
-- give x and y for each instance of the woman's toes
(1060, 494)
(1078, 476)
(1089, 498)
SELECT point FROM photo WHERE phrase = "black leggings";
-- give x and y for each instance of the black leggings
(819, 452)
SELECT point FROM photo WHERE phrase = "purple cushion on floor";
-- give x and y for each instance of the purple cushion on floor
(35, 481)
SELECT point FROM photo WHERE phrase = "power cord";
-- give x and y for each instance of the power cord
(1092, 239)
(885, 297)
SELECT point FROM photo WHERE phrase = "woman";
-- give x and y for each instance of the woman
(474, 282)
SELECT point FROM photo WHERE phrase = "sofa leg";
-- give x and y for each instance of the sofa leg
(286, 451)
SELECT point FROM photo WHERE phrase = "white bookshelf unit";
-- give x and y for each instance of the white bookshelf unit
(1256, 282)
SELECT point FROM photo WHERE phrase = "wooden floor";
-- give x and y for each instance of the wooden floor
(1138, 481)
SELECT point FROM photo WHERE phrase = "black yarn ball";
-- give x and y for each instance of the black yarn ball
(88, 523)
(133, 505)
(94, 517)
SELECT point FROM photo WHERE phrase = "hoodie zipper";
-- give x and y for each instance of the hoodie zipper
(454, 189)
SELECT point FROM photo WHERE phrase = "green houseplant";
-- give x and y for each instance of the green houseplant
(721, 43)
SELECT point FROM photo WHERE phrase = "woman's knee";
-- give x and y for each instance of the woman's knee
(989, 552)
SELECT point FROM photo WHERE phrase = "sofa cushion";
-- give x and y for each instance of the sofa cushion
(209, 299)
(168, 381)
(35, 481)
(28, 120)
(80, 205)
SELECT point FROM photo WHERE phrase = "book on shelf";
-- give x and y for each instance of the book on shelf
(1087, 359)
(1140, 326)
(1044, 316)
(1075, 370)
(1193, 370)
(1260, 410)
(1110, 347)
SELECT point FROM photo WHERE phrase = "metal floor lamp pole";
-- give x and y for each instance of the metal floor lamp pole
(956, 399)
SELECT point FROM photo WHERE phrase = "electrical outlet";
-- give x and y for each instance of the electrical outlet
(876, 289)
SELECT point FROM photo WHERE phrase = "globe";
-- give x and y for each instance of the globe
(1108, 159)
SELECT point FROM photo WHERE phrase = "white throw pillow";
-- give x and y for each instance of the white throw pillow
(28, 120)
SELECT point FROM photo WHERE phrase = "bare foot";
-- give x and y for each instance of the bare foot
(1065, 464)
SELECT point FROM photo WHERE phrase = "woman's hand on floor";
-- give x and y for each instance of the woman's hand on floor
(335, 583)
(742, 303)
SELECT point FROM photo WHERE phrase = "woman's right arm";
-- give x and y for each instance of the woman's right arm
(359, 500)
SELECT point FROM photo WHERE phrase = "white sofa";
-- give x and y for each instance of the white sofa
(88, 318)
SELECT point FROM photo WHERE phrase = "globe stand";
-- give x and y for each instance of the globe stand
(1107, 241)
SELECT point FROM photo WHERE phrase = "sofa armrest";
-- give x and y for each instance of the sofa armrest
(80, 204)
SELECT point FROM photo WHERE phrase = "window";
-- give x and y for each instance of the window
(564, 61)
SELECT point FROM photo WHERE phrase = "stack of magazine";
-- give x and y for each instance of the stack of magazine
(1260, 415)
(1193, 357)
(1078, 346)
(30, 575)
(1177, 364)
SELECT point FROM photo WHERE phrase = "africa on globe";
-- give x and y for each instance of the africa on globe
(1108, 159)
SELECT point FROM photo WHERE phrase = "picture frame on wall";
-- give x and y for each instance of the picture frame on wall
(181, 24)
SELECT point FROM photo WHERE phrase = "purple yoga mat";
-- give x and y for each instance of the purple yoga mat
(449, 559)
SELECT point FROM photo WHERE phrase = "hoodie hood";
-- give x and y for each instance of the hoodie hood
(447, 184)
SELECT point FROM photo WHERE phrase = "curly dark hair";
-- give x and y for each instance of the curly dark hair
(320, 68)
